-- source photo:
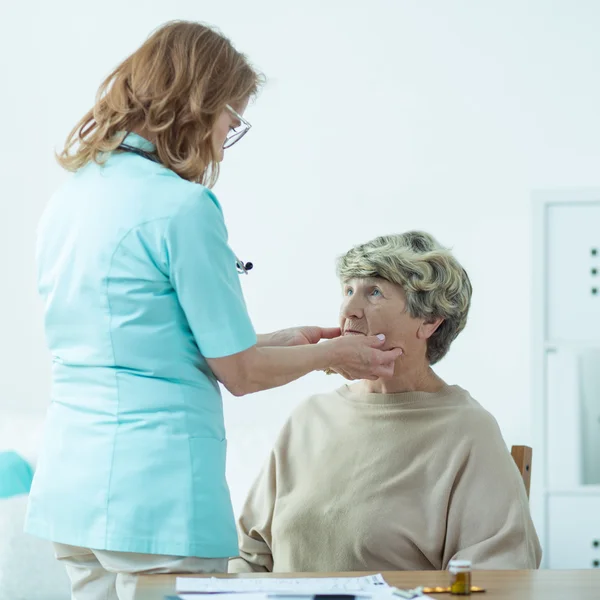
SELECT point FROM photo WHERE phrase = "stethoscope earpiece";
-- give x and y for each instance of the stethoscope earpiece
(243, 267)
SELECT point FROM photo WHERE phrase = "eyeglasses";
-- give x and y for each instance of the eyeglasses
(236, 133)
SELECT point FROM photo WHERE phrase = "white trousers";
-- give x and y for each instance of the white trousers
(107, 575)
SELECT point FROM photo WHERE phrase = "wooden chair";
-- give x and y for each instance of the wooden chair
(522, 456)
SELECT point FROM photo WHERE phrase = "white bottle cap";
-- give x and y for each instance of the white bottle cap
(459, 566)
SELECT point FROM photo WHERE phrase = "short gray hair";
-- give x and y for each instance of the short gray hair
(434, 282)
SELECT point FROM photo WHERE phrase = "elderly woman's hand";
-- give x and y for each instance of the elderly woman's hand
(298, 336)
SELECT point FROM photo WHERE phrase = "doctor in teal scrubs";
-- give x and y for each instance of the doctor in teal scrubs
(144, 316)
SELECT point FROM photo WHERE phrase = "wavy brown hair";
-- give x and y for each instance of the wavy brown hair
(174, 87)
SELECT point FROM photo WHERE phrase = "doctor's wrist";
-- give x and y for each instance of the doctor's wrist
(265, 339)
(331, 355)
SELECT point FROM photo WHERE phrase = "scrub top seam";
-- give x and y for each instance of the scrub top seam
(112, 346)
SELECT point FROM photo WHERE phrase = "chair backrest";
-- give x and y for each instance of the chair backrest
(522, 456)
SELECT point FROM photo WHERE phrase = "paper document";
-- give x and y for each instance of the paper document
(195, 596)
(283, 587)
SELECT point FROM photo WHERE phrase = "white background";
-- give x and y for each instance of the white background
(378, 117)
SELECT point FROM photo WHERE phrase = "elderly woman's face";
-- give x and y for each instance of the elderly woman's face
(373, 306)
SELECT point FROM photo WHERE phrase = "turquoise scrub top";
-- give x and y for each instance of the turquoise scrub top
(139, 287)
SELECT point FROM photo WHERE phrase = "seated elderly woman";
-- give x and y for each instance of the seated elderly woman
(405, 473)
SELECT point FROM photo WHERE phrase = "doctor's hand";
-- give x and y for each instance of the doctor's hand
(298, 336)
(363, 357)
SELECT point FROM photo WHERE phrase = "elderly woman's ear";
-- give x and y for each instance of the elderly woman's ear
(428, 328)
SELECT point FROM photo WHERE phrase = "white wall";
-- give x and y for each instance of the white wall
(378, 117)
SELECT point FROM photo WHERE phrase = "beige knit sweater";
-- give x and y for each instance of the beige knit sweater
(375, 482)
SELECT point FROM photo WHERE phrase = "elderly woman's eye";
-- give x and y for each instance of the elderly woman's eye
(348, 292)
(376, 292)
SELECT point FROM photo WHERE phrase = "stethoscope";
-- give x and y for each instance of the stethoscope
(241, 266)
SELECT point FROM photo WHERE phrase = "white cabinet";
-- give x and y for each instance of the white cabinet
(566, 379)
(572, 416)
(573, 272)
(563, 420)
(574, 531)
(589, 396)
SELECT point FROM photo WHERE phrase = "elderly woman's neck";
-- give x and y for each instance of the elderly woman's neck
(414, 380)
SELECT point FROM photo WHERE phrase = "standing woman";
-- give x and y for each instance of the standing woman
(144, 315)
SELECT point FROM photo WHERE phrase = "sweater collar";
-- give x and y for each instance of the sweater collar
(401, 398)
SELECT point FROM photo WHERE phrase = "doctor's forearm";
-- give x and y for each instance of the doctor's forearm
(276, 366)
(271, 367)
(258, 369)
